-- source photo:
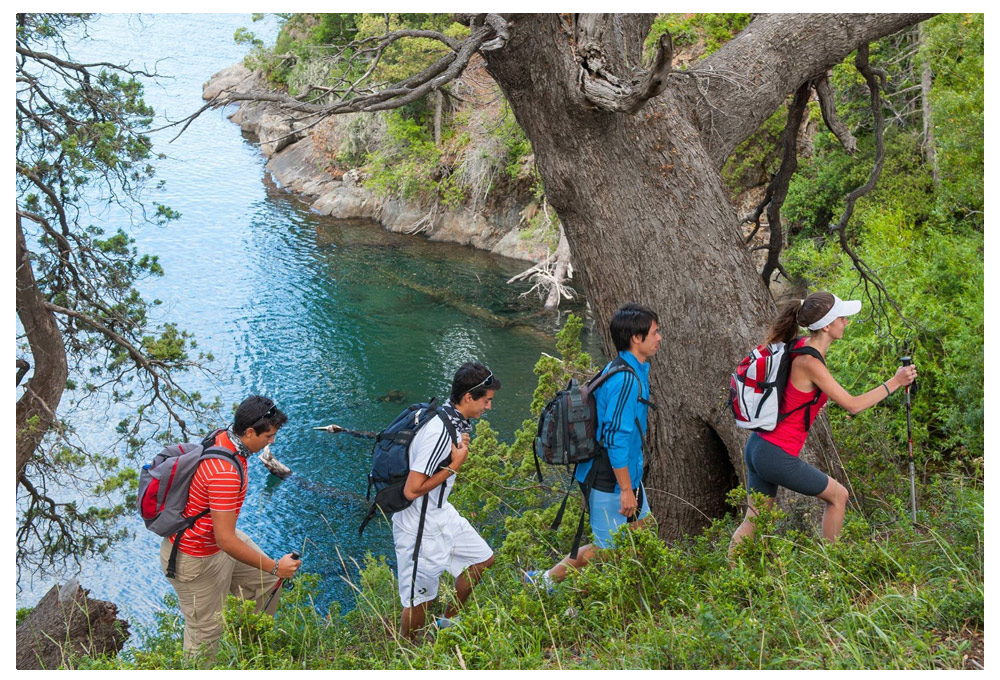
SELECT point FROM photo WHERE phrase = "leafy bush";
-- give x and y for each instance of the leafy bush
(888, 595)
(690, 29)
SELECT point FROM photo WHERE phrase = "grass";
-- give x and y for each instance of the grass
(889, 595)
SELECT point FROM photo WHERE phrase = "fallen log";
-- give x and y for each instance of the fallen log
(273, 465)
(335, 429)
(66, 622)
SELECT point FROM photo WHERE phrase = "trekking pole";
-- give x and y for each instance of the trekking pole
(277, 586)
(906, 361)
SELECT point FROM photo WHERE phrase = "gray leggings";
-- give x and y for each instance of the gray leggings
(769, 466)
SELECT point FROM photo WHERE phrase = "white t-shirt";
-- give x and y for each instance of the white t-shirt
(430, 449)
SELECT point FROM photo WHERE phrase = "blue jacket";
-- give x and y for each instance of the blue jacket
(618, 409)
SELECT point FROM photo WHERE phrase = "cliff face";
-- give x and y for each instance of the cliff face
(291, 160)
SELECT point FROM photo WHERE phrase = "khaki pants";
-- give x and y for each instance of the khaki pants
(202, 584)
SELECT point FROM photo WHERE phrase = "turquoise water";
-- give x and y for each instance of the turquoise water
(337, 321)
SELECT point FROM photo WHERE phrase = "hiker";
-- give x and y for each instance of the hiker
(772, 457)
(612, 480)
(214, 558)
(447, 540)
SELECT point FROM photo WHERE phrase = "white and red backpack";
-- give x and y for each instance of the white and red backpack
(757, 387)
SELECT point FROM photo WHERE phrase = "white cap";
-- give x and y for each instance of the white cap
(840, 308)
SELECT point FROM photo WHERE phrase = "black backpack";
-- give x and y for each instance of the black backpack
(391, 467)
(567, 425)
(567, 434)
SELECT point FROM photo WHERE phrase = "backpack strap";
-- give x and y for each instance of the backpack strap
(209, 450)
(808, 351)
(172, 560)
(368, 518)
(811, 351)
(638, 505)
(416, 549)
(586, 486)
(616, 366)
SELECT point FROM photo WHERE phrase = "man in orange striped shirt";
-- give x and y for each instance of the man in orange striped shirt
(214, 558)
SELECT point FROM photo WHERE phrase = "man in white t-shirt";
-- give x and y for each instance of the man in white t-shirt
(447, 540)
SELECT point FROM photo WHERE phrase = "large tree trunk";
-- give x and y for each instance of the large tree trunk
(35, 412)
(66, 622)
(648, 220)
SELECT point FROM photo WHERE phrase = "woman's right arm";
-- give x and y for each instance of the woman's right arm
(820, 376)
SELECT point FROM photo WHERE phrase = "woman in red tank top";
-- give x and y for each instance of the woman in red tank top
(772, 458)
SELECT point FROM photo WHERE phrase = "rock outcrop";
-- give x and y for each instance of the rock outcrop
(292, 162)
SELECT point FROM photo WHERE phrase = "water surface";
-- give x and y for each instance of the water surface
(338, 321)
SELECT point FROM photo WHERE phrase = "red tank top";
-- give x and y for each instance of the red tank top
(790, 434)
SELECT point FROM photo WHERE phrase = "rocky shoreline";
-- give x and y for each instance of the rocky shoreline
(291, 161)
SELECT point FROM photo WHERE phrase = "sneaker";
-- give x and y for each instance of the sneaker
(540, 577)
(443, 622)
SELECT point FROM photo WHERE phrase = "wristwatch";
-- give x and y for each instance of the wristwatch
(274, 572)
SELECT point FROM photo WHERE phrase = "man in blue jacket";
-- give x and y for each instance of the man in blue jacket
(617, 495)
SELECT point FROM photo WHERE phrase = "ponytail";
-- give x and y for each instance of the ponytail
(786, 325)
(797, 313)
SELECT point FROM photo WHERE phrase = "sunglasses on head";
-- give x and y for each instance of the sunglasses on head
(270, 412)
(485, 383)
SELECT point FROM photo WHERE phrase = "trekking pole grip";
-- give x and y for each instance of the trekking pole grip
(287, 583)
(911, 389)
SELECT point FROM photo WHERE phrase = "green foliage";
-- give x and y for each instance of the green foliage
(320, 49)
(816, 194)
(405, 168)
(938, 278)
(954, 47)
(82, 144)
(482, 152)
(405, 58)
(888, 595)
(689, 29)
(757, 157)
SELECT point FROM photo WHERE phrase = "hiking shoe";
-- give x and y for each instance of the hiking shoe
(539, 577)
(443, 622)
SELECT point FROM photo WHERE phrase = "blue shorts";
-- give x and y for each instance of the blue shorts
(769, 466)
(604, 515)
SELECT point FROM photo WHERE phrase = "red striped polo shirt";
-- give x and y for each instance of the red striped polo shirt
(216, 486)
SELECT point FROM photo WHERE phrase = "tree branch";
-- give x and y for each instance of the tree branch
(485, 27)
(149, 365)
(775, 54)
(833, 122)
(874, 78)
(596, 40)
(777, 189)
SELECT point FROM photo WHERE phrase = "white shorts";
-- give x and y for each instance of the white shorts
(451, 544)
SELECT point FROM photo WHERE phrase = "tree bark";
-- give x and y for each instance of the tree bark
(749, 77)
(648, 220)
(926, 82)
(66, 622)
(438, 104)
(36, 408)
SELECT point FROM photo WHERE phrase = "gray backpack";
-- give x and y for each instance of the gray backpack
(164, 484)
